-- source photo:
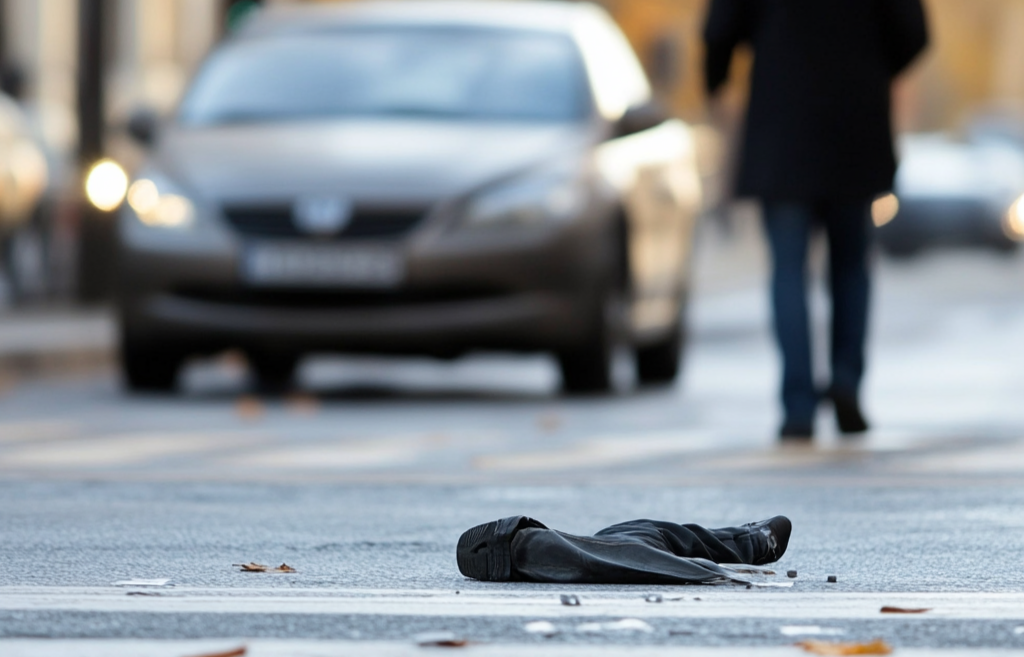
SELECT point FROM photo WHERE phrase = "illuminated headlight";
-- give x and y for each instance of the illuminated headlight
(884, 209)
(106, 184)
(529, 201)
(1013, 222)
(158, 203)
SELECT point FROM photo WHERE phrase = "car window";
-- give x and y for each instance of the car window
(432, 72)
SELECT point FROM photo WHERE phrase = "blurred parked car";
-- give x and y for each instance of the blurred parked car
(954, 191)
(412, 178)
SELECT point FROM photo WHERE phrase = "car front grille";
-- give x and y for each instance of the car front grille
(276, 221)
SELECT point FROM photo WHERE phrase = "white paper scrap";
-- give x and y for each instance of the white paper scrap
(143, 582)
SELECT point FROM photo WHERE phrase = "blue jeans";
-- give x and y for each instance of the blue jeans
(789, 227)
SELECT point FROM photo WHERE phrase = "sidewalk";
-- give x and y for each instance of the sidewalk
(56, 339)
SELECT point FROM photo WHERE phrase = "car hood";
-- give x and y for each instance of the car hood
(368, 160)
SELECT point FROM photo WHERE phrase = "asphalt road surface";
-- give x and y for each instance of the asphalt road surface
(364, 480)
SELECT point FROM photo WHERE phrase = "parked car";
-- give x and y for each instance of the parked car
(967, 191)
(412, 178)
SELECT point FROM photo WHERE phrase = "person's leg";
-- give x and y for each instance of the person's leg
(788, 226)
(849, 234)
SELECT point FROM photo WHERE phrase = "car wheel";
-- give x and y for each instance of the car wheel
(149, 365)
(588, 367)
(273, 371)
(659, 363)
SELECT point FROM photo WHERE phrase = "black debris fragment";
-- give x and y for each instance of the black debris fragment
(570, 600)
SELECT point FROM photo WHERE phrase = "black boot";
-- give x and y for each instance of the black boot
(848, 414)
(774, 533)
(485, 551)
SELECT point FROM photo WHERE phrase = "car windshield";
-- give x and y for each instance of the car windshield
(421, 72)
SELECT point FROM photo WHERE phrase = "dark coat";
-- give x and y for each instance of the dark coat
(818, 126)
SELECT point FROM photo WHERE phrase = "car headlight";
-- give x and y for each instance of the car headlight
(1013, 221)
(159, 203)
(552, 197)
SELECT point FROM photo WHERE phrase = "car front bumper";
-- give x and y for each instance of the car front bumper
(523, 290)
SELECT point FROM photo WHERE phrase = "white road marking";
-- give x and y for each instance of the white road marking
(122, 450)
(715, 603)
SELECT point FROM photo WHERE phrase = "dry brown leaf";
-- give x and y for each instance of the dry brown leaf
(902, 610)
(237, 652)
(249, 408)
(303, 404)
(550, 422)
(876, 647)
(253, 567)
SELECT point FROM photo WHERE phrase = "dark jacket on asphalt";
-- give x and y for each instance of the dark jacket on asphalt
(818, 126)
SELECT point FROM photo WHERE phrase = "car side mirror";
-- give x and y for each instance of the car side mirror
(143, 125)
(640, 118)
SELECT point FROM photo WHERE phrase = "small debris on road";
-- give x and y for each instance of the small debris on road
(440, 640)
(903, 610)
(543, 628)
(143, 582)
(624, 625)
(237, 652)
(810, 630)
(253, 567)
(249, 409)
(570, 600)
(303, 404)
(791, 574)
(655, 598)
(832, 579)
(877, 647)
(550, 422)
(148, 594)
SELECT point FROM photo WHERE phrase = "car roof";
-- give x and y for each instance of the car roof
(542, 15)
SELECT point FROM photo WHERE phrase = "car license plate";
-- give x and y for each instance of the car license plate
(280, 264)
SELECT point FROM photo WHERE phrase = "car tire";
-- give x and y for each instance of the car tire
(587, 369)
(659, 363)
(273, 371)
(149, 365)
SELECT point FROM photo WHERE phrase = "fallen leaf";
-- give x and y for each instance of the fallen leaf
(877, 647)
(303, 404)
(253, 567)
(902, 610)
(249, 408)
(440, 640)
(237, 652)
(550, 422)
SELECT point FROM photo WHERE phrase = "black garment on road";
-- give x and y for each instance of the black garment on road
(635, 552)
(818, 126)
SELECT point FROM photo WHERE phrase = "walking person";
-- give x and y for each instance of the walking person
(816, 151)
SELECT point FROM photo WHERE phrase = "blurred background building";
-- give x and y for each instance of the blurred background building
(79, 67)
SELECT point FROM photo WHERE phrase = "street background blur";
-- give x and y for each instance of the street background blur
(79, 68)
(364, 476)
